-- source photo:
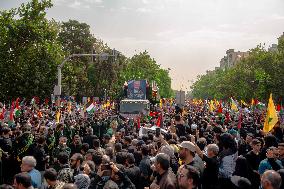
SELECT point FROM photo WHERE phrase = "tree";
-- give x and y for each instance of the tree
(256, 76)
(142, 66)
(29, 51)
(76, 38)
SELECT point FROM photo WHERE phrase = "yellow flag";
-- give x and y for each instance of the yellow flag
(244, 103)
(216, 102)
(69, 107)
(234, 105)
(161, 103)
(171, 101)
(252, 101)
(271, 116)
(58, 116)
(211, 106)
(108, 104)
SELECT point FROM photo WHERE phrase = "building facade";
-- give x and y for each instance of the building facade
(232, 58)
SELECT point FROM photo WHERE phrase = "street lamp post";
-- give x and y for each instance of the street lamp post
(103, 56)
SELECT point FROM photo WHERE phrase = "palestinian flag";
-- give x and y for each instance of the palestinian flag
(11, 117)
(17, 110)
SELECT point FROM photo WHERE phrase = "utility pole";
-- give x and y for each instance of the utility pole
(103, 56)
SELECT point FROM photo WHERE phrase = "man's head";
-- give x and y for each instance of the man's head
(249, 138)
(130, 159)
(89, 154)
(187, 149)
(76, 160)
(96, 143)
(76, 140)
(281, 149)
(50, 176)
(28, 163)
(212, 150)
(271, 180)
(63, 158)
(145, 150)
(162, 162)
(188, 177)
(117, 136)
(62, 141)
(127, 140)
(6, 131)
(106, 138)
(22, 181)
(89, 131)
(256, 145)
(272, 152)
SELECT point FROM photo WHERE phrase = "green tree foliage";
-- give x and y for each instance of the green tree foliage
(253, 77)
(31, 48)
(76, 38)
(29, 51)
(142, 66)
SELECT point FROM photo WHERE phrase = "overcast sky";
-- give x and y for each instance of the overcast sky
(188, 36)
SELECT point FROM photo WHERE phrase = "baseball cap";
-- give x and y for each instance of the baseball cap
(188, 145)
(240, 182)
(167, 149)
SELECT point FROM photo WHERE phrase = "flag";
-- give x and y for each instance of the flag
(228, 117)
(159, 121)
(211, 106)
(252, 102)
(69, 107)
(278, 107)
(2, 114)
(17, 111)
(57, 116)
(46, 101)
(220, 110)
(243, 103)
(161, 103)
(234, 105)
(90, 108)
(108, 104)
(11, 118)
(171, 102)
(138, 123)
(271, 116)
(33, 101)
(39, 114)
(281, 114)
(240, 119)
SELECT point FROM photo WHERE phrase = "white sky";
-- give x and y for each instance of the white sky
(188, 36)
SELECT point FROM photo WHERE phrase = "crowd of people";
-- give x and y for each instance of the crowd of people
(192, 148)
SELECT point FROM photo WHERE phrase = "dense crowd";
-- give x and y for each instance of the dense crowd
(192, 148)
